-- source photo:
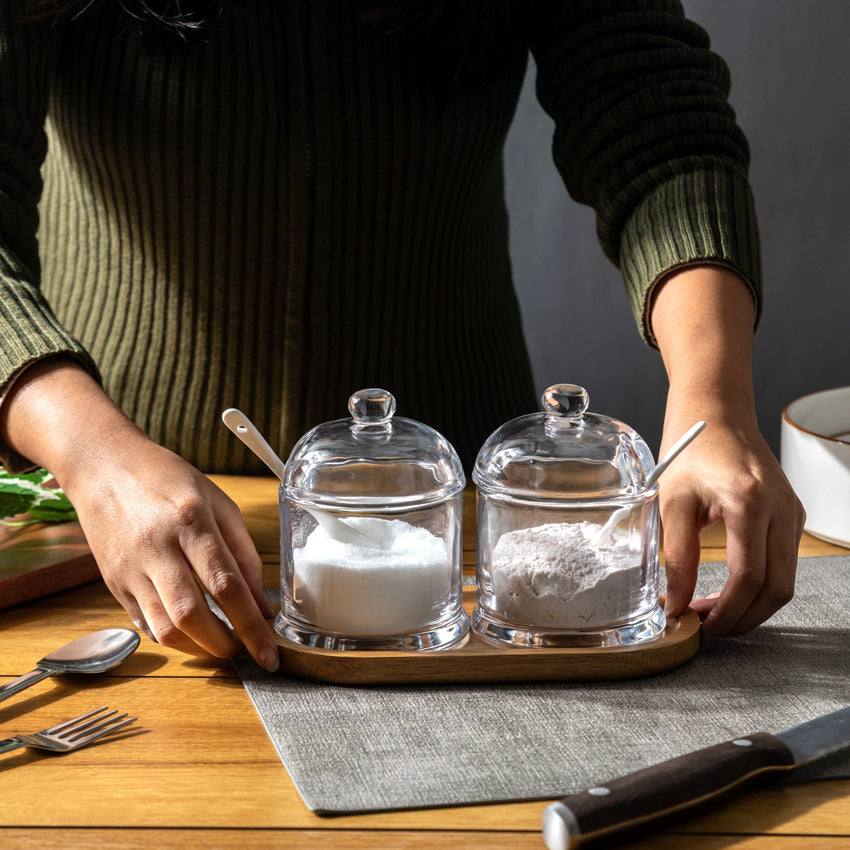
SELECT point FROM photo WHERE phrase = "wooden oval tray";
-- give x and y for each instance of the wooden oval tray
(475, 660)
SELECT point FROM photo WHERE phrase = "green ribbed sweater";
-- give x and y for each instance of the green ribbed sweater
(291, 208)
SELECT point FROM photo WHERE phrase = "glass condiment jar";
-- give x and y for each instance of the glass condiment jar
(550, 572)
(371, 510)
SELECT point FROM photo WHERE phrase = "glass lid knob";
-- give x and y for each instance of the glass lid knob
(568, 400)
(371, 407)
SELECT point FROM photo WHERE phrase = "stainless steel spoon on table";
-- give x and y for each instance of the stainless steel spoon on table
(93, 653)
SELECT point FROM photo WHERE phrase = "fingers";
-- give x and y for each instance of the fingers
(705, 606)
(746, 551)
(131, 606)
(215, 566)
(244, 552)
(778, 587)
(733, 476)
(680, 517)
(156, 623)
(129, 601)
(185, 613)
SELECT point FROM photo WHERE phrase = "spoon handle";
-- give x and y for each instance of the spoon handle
(246, 431)
(674, 451)
(617, 517)
(23, 682)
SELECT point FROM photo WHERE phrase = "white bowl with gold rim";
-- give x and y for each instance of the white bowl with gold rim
(815, 452)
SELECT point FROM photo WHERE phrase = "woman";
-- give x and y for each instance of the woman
(298, 199)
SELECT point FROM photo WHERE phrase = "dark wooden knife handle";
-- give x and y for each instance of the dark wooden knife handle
(647, 797)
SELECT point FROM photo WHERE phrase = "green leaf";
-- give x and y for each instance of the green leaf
(37, 476)
(54, 509)
(45, 515)
(12, 504)
(26, 493)
(20, 487)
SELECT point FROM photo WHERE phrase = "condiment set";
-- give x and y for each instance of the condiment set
(371, 509)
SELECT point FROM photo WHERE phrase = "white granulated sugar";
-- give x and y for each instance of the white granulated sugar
(551, 576)
(399, 586)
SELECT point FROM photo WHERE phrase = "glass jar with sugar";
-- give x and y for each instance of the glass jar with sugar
(371, 513)
(568, 532)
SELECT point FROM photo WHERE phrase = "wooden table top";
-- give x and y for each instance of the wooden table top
(204, 774)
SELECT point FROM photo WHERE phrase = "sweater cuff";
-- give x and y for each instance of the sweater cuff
(29, 333)
(704, 217)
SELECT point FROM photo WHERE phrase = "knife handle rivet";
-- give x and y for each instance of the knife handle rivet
(601, 791)
(742, 742)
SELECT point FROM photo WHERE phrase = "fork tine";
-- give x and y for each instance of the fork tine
(59, 726)
(82, 733)
(113, 727)
(82, 727)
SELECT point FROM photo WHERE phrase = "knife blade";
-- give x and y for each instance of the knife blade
(647, 797)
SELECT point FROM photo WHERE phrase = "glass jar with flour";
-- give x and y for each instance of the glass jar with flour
(568, 532)
(371, 514)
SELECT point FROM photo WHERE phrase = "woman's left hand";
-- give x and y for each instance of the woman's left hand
(728, 473)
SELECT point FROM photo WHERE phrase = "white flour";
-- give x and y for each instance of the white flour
(400, 586)
(550, 576)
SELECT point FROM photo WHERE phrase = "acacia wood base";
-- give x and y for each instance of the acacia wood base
(476, 660)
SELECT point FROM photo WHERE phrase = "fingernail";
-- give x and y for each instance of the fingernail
(270, 660)
(715, 595)
(145, 629)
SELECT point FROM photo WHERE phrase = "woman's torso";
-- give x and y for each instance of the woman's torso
(278, 214)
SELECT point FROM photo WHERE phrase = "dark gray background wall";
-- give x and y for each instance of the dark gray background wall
(790, 63)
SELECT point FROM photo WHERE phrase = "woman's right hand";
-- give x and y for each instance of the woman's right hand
(161, 532)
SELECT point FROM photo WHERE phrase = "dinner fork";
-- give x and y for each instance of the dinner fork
(71, 734)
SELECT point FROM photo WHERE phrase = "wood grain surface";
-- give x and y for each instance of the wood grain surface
(204, 774)
(281, 839)
(40, 559)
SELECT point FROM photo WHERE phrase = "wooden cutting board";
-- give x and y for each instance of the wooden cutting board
(41, 559)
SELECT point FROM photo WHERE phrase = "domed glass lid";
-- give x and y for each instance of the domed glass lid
(372, 459)
(564, 453)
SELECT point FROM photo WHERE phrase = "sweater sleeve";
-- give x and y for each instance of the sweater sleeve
(645, 135)
(28, 329)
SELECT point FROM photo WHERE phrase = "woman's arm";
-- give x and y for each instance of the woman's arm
(644, 134)
(157, 527)
(702, 319)
(160, 531)
(29, 331)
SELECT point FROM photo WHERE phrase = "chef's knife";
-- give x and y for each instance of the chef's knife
(643, 799)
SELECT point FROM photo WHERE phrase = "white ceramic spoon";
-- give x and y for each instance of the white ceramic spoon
(604, 533)
(248, 433)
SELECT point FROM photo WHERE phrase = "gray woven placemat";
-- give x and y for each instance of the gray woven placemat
(368, 748)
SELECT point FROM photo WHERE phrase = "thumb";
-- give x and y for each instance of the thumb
(680, 521)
